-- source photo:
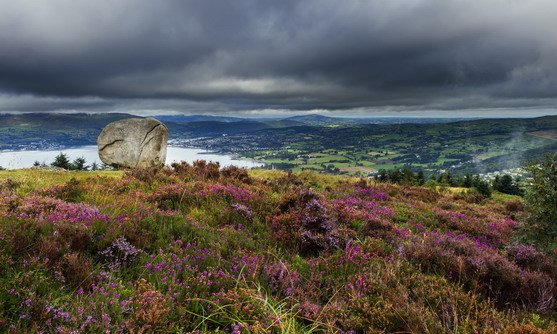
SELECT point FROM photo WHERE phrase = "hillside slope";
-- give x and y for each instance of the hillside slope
(196, 250)
(47, 130)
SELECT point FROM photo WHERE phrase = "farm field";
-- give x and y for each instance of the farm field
(477, 146)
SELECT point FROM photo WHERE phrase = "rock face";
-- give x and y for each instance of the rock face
(133, 142)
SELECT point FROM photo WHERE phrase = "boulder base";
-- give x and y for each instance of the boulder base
(133, 143)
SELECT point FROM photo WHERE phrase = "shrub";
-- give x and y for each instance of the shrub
(482, 187)
(9, 185)
(77, 270)
(506, 185)
(79, 164)
(170, 197)
(61, 161)
(478, 266)
(53, 210)
(143, 174)
(71, 191)
(120, 253)
(235, 173)
(199, 169)
(529, 258)
(307, 224)
(541, 202)
(514, 207)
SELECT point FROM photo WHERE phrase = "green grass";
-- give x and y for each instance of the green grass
(32, 179)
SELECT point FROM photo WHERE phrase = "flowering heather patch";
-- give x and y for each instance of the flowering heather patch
(371, 194)
(230, 192)
(57, 211)
(197, 249)
(170, 197)
(529, 258)
(242, 209)
(494, 227)
(308, 224)
(9, 202)
(476, 264)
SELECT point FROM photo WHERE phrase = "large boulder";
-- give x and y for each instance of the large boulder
(133, 142)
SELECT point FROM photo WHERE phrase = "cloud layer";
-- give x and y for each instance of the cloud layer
(213, 56)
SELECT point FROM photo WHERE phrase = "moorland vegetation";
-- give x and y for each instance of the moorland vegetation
(202, 249)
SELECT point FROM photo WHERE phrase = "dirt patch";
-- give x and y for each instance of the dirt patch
(357, 169)
(545, 134)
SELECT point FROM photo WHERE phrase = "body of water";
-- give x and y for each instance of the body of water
(25, 159)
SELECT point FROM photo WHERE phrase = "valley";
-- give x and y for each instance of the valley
(319, 143)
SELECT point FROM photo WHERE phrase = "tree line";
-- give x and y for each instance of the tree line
(502, 183)
(80, 164)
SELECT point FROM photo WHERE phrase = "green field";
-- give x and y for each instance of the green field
(470, 146)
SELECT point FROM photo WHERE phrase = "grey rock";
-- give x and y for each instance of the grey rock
(133, 142)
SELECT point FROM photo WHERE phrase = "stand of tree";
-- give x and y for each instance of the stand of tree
(62, 161)
(504, 183)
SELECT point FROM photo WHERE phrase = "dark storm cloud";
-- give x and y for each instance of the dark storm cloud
(246, 54)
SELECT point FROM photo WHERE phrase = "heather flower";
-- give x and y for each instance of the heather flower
(232, 192)
(57, 211)
(354, 253)
(242, 209)
(371, 194)
(56, 313)
(528, 257)
(237, 329)
(120, 253)
(477, 264)
(358, 285)
(281, 279)
(310, 310)
(356, 208)
(169, 197)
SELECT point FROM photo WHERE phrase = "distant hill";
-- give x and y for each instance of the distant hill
(58, 121)
(312, 119)
(48, 130)
(213, 128)
(320, 120)
(197, 118)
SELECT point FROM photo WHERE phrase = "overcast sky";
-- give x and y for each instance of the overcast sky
(256, 57)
